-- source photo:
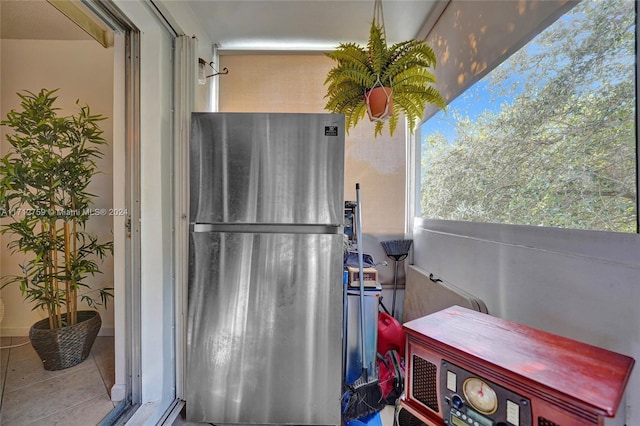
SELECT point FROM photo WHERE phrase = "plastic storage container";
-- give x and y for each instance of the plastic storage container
(354, 357)
(390, 334)
(374, 419)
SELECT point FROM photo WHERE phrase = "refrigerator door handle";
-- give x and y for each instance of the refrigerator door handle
(266, 228)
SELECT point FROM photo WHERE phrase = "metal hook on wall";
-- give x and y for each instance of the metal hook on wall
(434, 279)
(204, 63)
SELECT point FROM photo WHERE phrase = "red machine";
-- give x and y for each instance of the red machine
(468, 368)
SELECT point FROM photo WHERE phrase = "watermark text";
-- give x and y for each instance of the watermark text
(63, 212)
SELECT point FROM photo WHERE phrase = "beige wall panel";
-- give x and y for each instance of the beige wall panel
(295, 83)
(273, 83)
(81, 70)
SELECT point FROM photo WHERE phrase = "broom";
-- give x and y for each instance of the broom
(364, 396)
(397, 250)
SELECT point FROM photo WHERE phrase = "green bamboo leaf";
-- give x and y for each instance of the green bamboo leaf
(52, 161)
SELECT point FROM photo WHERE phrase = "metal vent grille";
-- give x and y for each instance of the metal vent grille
(544, 422)
(424, 382)
(405, 418)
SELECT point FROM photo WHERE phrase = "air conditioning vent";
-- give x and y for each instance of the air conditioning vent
(424, 387)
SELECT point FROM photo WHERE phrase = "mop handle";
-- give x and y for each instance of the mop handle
(345, 317)
(361, 277)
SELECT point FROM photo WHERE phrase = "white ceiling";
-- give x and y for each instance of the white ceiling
(247, 24)
(305, 24)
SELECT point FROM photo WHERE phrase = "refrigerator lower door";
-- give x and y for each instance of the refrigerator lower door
(264, 328)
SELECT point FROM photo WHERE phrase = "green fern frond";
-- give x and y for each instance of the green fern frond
(393, 121)
(340, 105)
(412, 65)
(342, 99)
(410, 105)
(349, 53)
(397, 50)
(409, 55)
(413, 103)
(413, 48)
(413, 78)
(344, 86)
(356, 73)
(354, 115)
(425, 95)
(377, 49)
(435, 98)
(407, 65)
(378, 128)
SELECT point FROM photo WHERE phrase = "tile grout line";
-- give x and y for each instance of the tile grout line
(101, 376)
(57, 376)
(93, 358)
(6, 370)
(36, 421)
(79, 402)
(4, 376)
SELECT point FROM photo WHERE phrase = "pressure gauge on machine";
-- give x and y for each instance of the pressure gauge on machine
(480, 395)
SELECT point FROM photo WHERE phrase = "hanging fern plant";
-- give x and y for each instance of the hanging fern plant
(400, 73)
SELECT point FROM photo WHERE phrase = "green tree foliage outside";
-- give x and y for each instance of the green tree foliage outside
(560, 151)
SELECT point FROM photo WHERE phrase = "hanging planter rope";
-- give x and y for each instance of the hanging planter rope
(379, 102)
(379, 98)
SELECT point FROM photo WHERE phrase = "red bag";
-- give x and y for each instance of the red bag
(391, 375)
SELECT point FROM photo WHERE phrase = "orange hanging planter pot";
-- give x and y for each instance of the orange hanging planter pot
(379, 102)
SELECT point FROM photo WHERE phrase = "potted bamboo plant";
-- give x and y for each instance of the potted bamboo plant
(382, 81)
(43, 192)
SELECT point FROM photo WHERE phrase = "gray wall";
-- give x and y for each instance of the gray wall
(584, 285)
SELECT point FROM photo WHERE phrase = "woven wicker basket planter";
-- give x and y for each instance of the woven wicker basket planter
(68, 346)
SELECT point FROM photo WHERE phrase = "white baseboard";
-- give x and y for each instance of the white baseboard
(118, 392)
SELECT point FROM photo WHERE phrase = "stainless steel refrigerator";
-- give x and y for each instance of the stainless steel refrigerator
(265, 268)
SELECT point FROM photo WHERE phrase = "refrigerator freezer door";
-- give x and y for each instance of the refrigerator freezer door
(267, 168)
(264, 329)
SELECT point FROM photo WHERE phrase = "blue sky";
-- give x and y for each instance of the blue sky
(479, 97)
(470, 104)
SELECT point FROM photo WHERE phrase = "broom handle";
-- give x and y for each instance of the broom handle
(395, 289)
(361, 277)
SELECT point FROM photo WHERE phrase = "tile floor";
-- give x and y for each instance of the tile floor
(76, 396)
(386, 416)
